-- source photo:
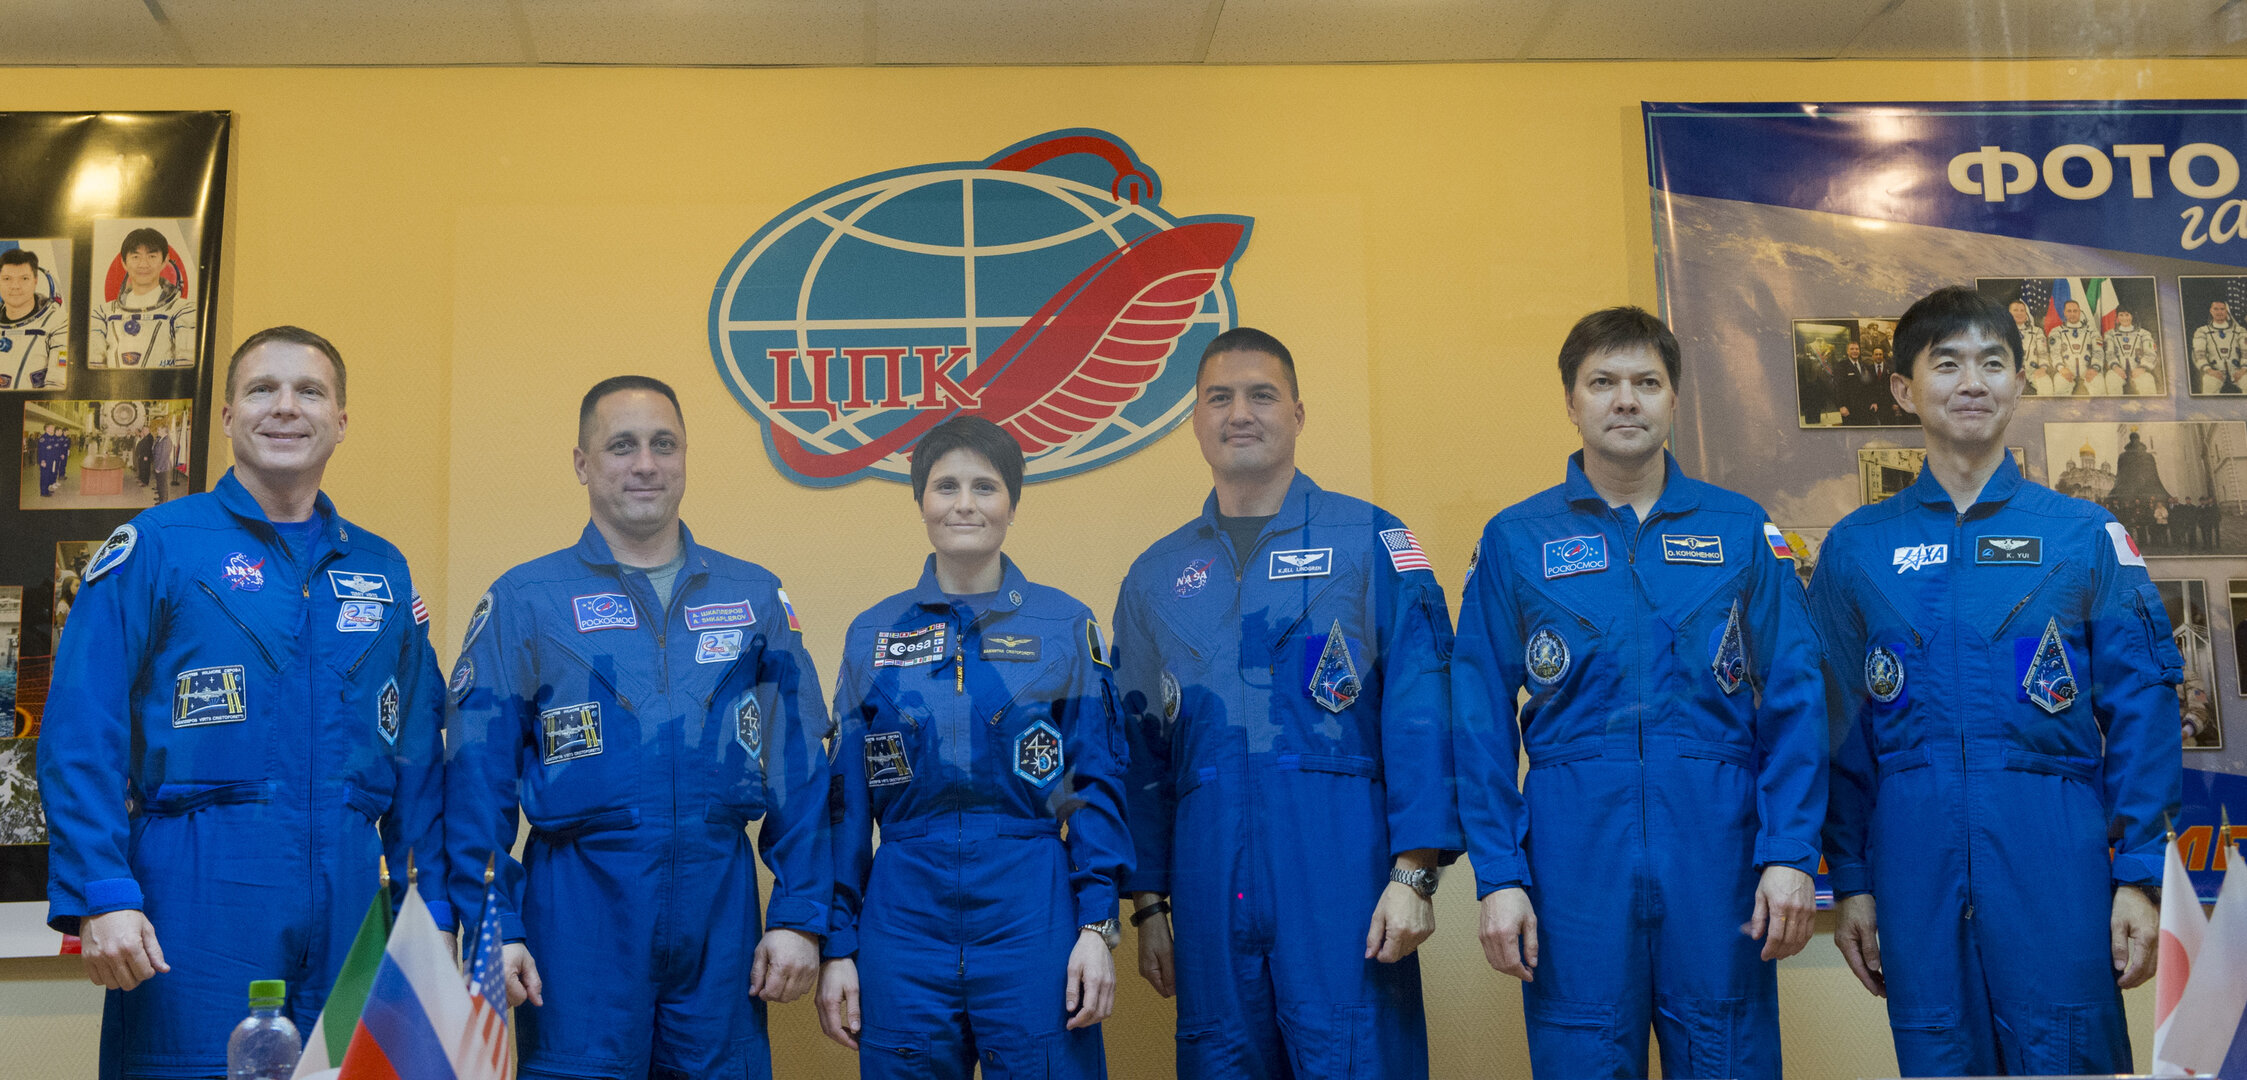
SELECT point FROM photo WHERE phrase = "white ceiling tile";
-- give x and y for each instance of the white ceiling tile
(347, 31)
(83, 32)
(698, 31)
(1037, 31)
(1313, 31)
(1648, 29)
(2012, 29)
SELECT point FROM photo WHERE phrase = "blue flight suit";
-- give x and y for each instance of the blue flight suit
(974, 732)
(236, 730)
(638, 763)
(1289, 711)
(1675, 729)
(2008, 684)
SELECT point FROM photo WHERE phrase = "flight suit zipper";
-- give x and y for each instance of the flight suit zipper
(238, 624)
(2025, 598)
(1965, 766)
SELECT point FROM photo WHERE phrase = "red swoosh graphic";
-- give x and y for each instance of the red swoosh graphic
(1081, 358)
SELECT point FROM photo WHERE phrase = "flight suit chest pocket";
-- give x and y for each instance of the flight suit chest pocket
(1558, 633)
(900, 739)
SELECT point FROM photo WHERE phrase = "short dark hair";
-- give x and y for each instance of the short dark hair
(144, 237)
(1616, 329)
(969, 433)
(20, 257)
(1946, 313)
(616, 384)
(292, 335)
(1249, 339)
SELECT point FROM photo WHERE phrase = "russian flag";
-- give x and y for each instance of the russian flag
(417, 1008)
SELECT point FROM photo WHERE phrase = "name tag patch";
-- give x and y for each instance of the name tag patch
(1914, 556)
(570, 732)
(1696, 550)
(211, 695)
(886, 763)
(713, 616)
(604, 611)
(718, 646)
(359, 617)
(353, 585)
(387, 713)
(1010, 647)
(2001, 550)
(905, 648)
(1575, 555)
(1307, 562)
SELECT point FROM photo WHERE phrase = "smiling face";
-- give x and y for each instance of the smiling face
(1623, 403)
(965, 507)
(143, 265)
(632, 459)
(283, 414)
(1962, 388)
(1246, 416)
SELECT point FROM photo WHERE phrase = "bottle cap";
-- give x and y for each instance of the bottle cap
(267, 992)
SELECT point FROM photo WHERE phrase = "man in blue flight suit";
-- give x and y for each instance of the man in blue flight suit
(1282, 661)
(1675, 730)
(2008, 684)
(245, 714)
(638, 763)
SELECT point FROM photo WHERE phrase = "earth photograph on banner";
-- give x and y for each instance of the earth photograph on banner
(1044, 288)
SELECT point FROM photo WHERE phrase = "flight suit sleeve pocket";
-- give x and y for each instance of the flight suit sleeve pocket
(2168, 664)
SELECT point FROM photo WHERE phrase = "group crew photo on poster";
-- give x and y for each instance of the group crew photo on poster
(1282, 660)
(2217, 360)
(2084, 336)
(34, 314)
(143, 311)
(976, 723)
(1656, 862)
(194, 843)
(104, 454)
(640, 699)
(2008, 681)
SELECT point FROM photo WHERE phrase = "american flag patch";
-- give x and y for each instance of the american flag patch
(1404, 550)
(421, 610)
(1778, 541)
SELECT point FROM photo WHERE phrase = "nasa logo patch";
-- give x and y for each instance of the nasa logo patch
(1192, 579)
(242, 574)
(843, 326)
(1037, 754)
(1546, 656)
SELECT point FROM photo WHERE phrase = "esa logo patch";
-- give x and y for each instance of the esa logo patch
(1688, 548)
(242, 574)
(1914, 556)
(1037, 754)
(211, 695)
(1191, 579)
(713, 616)
(1575, 555)
(387, 712)
(886, 762)
(718, 646)
(353, 585)
(572, 731)
(604, 611)
(1546, 656)
(1010, 647)
(358, 617)
(905, 648)
(1999, 550)
(1308, 562)
(749, 727)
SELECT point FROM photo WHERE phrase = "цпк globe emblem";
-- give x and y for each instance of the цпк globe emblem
(1044, 289)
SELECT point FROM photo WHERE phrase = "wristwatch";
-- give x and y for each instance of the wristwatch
(1110, 931)
(1419, 881)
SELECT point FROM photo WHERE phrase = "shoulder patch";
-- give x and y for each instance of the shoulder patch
(1778, 541)
(1404, 550)
(1096, 643)
(2125, 549)
(114, 551)
(476, 621)
(421, 610)
(790, 610)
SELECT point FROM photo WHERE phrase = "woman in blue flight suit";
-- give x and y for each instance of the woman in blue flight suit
(976, 720)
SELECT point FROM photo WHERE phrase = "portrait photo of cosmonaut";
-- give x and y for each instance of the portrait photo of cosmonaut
(2215, 361)
(104, 454)
(1841, 369)
(2187, 602)
(143, 311)
(2178, 486)
(2085, 336)
(34, 314)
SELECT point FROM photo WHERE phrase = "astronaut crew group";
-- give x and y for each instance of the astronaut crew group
(1280, 750)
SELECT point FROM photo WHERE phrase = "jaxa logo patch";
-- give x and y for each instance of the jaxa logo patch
(1884, 674)
(1688, 548)
(211, 695)
(713, 616)
(113, 553)
(1010, 647)
(1334, 681)
(906, 648)
(2050, 679)
(1730, 662)
(1037, 754)
(1191, 579)
(463, 680)
(749, 727)
(604, 611)
(1307, 562)
(886, 762)
(1546, 656)
(242, 574)
(717, 647)
(1914, 556)
(2001, 550)
(353, 585)
(570, 732)
(1575, 555)
(358, 617)
(387, 712)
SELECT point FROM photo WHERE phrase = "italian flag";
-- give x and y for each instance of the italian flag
(331, 1034)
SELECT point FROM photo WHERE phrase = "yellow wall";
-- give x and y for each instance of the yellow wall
(484, 243)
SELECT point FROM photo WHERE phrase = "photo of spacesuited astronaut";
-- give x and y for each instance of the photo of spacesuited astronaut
(2216, 358)
(145, 294)
(1841, 369)
(2187, 601)
(1885, 470)
(2085, 336)
(34, 314)
(104, 454)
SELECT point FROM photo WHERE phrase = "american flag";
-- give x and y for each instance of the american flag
(489, 1052)
(2036, 294)
(1404, 550)
(421, 610)
(2235, 294)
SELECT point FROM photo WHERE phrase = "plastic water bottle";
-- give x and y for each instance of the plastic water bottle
(265, 1046)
